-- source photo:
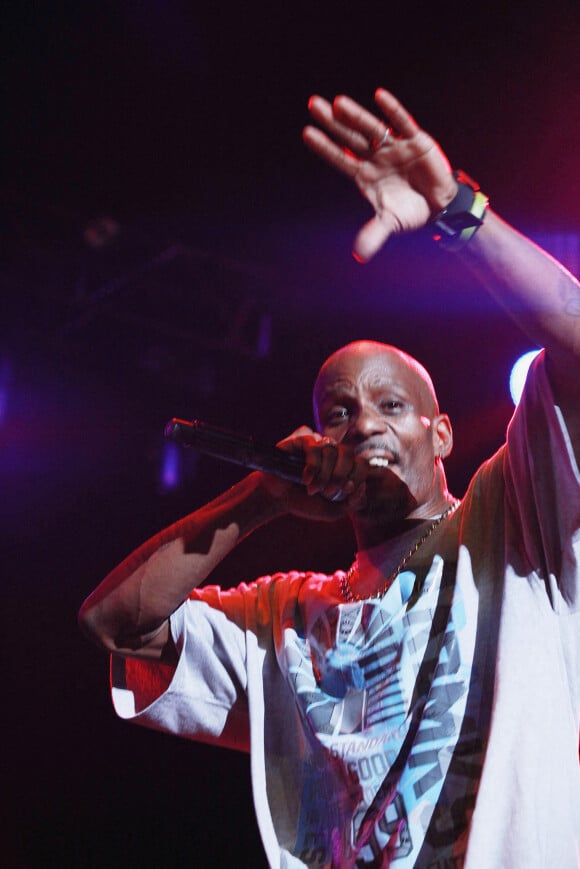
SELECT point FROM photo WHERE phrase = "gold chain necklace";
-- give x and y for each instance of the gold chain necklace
(346, 580)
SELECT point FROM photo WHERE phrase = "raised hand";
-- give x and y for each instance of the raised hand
(396, 165)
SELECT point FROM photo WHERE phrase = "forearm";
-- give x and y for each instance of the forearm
(538, 293)
(542, 297)
(128, 611)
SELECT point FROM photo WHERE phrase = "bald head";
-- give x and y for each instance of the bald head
(380, 360)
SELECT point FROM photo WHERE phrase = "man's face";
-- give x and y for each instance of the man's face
(373, 399)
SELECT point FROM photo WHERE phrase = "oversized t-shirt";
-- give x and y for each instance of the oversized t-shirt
(436, 726)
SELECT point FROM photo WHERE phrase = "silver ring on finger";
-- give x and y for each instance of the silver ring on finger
(377, 143)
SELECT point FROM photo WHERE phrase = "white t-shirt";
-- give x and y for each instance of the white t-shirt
(437, 726)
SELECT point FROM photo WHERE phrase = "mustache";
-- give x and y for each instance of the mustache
(378, 444)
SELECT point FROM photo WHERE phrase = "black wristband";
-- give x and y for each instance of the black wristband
(459, 222)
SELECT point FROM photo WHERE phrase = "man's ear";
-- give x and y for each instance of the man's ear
(442, 436)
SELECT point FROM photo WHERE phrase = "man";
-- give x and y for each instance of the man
(423, 708)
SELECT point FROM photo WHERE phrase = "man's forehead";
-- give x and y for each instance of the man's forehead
(373, 365)
(370, 375)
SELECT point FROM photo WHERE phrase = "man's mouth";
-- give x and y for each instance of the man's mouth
(379, 462)
(377, 455)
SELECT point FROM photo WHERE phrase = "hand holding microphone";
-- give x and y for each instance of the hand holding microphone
(330, 471)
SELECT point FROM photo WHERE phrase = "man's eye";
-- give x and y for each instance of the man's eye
(336, 415)
(392, 405)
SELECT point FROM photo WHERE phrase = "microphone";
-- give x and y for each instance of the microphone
(235, 448)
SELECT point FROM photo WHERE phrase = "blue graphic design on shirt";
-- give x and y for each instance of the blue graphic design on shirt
(381, 686)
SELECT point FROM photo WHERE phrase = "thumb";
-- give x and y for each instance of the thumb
(372, 237)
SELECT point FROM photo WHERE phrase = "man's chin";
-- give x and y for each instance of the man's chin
(386, 497)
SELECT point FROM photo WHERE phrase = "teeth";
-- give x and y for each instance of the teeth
(378, 462)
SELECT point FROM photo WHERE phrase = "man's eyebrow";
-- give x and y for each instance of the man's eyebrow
(393, 387)
(336, 388)
(340, 388)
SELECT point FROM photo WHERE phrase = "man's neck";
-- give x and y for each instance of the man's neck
(373, 529)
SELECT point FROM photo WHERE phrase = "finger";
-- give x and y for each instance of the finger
(322, 112)
(356, 488)
(372, 237)
(291, 443)
(344, 478)
(330, 152)
(396, 113)
(332, 470)
(352, 115)
(357, 500)
(320, 458)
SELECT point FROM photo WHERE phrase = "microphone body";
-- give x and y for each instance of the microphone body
(235, 448)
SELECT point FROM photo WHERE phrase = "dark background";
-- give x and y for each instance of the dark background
(170, 248)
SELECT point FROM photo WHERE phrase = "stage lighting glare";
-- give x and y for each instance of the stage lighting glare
(170, 476)
(519, 373)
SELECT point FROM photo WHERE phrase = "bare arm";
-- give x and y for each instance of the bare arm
(407, 181)
(542, 297)
(128, 612)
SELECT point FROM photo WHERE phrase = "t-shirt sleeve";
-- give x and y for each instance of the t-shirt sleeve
(204, 697)
(543, 489)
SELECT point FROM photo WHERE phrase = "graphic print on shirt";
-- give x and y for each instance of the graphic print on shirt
(381, 686)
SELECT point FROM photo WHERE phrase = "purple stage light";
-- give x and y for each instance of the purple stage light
(171, 470)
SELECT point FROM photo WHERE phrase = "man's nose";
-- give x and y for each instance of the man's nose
(365, 423)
